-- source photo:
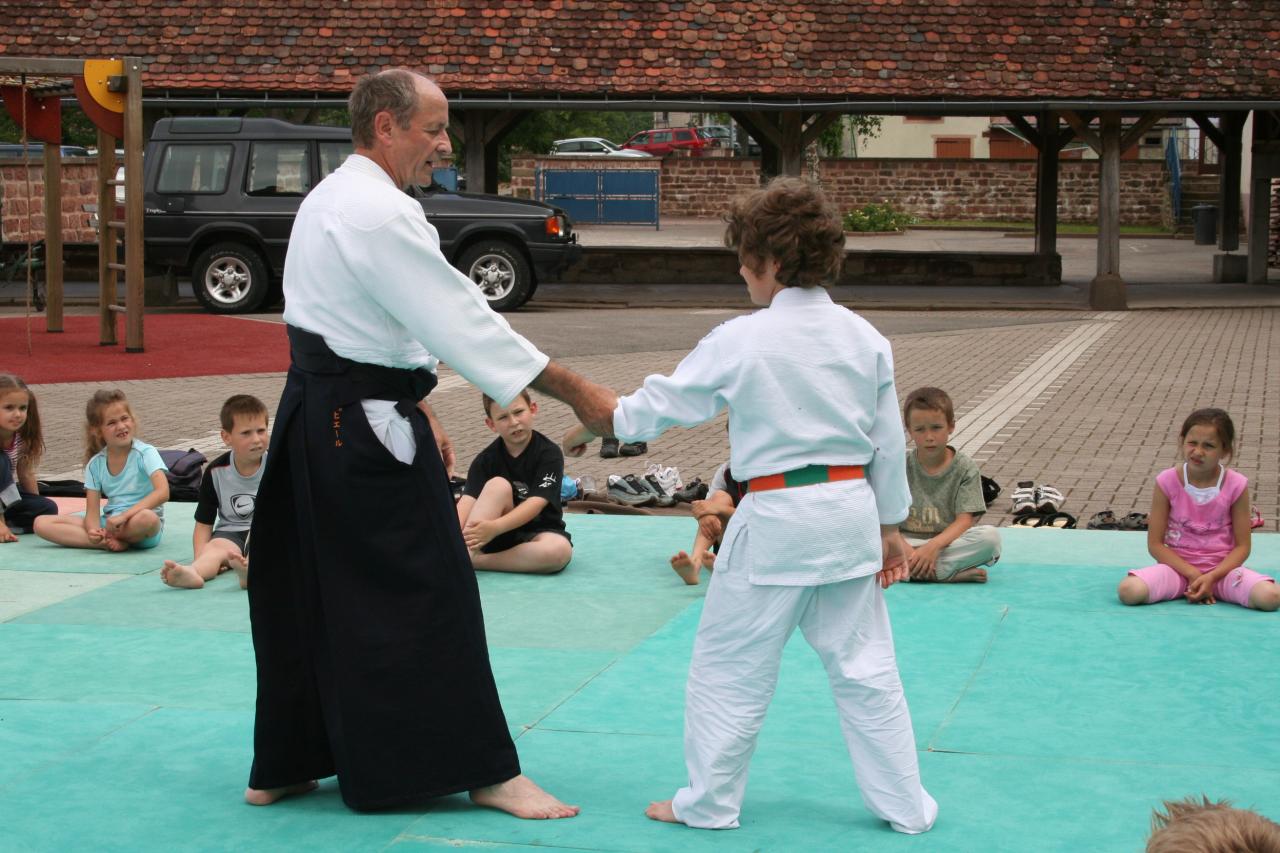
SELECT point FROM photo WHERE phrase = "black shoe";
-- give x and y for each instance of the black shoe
(696, 490)
(609, 448)
(635, 448)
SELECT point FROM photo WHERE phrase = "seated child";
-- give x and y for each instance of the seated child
(22, 443)
(712, 515)
(228, 491)
(946, 498)
(126, 471)
(510, 507)
(1199, 526)
(1188, 826)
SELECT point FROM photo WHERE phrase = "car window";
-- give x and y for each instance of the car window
(684, 135)
(332, 154)
(194, 168)
(594, 146)
(570, 147)
(278, 168)
(661, 136)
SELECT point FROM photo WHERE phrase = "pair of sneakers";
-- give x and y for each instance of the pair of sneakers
(638, 491)
(611, 448)
(1040, 498)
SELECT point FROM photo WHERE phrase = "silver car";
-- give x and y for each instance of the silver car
(592, 146)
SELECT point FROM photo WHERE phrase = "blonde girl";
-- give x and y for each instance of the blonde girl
(1198, 529)
(125, 471)
(22, 444)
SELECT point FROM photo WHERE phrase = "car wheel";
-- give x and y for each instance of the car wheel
(230, 278)
(500, 271)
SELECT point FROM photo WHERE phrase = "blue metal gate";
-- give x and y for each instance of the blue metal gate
(609, 196)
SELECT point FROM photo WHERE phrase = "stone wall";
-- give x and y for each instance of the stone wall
(79, 188)
(929, 189)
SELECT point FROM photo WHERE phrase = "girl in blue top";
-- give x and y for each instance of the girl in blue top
(127, 472)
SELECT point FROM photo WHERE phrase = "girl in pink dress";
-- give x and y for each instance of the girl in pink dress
(1198, 529)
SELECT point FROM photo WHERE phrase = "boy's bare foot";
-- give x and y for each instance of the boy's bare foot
(267, 796)
(684, 567)
(180, 576)
(240, 566)
(975, 575)
(112, 544)
(523, 798)
(662, 811)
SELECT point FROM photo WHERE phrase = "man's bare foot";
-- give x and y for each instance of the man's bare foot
(180, 576)
(267, 796)
(684, 567)
(523, 798)
(975, 575)
(240, 566)
(662, 811)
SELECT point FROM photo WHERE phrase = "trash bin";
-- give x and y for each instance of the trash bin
(1204, 218)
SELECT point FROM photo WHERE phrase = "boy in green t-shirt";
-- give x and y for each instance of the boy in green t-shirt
(946, 498)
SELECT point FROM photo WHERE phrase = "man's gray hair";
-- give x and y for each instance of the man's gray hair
(395, 90)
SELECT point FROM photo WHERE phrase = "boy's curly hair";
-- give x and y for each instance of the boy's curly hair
(788, 221)
(1191, 826)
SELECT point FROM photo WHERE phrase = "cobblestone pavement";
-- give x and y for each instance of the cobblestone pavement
(1088, 402)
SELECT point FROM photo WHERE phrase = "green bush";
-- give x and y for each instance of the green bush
(877, 217)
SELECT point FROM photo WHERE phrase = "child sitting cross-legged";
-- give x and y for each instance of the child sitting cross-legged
(510, 507)
(946, 498)
(228, 492)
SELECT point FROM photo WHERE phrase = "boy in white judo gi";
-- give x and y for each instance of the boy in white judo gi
(814, 429)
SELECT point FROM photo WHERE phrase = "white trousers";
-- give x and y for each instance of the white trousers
(736, 656)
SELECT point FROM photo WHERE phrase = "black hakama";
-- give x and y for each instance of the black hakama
(367, 627)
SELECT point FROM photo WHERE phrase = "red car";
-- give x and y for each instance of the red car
(664, 141)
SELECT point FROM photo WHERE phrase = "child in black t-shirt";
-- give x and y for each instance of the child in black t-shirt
(510, 507)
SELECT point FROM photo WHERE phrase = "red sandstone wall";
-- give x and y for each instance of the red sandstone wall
(79, 188)
(928, 189)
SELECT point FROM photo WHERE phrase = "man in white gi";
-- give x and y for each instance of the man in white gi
(814, 431)
(370, 645)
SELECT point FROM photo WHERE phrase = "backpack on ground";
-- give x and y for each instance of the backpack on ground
(185, 468)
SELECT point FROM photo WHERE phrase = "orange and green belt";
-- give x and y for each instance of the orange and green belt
(806, 476)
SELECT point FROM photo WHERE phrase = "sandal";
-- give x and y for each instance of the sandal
(1134, 521)
(1048, 499)
(1024, 498)
(1255, 517)
(1060, 520)
(1029, 519)
(1105, 520)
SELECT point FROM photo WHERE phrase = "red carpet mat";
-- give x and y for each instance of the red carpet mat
(175, 345)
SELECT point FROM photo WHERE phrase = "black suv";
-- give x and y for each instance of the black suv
(222, 193)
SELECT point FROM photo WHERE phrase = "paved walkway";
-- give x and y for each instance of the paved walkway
(1088, 402)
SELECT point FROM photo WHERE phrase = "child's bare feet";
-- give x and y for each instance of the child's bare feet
(113, 544)
(662, 811)
(977, 574)
(523, 798)
(267, 796)
(684, 567)
(240, 565)
(180, 576)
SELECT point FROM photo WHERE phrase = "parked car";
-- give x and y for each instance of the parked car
(14, 150)
(592, 146)
(221, 195)
(663, 141)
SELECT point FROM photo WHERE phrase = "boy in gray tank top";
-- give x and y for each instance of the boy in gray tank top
(228, 492)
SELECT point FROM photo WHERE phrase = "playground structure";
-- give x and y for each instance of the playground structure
(110, 93)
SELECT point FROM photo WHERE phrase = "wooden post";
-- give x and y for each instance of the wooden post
(1106, 291)
(473, 142)
(1229, 181)
(791, 153)
(106, 240)
(135, 299)
(1047, 149)
(53, 236)
(1259, 227)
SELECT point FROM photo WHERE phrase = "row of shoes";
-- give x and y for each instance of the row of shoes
(658, 486)
(611, 448)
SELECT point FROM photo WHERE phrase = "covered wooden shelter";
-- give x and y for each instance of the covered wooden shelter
(1058, 69)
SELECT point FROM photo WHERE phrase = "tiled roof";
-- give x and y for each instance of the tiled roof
(905, 49)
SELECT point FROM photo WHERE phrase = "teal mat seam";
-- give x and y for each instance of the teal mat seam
(986, 652)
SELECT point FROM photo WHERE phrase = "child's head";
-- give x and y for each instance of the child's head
(1191, 826)
(786, 234)
(19, 415)
(244, 427)
(513, 423)
(1208, 435)
(929, 416)
(108, 421)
